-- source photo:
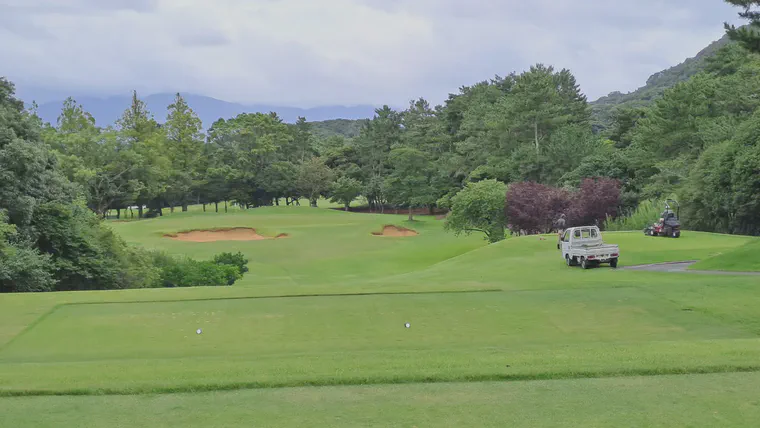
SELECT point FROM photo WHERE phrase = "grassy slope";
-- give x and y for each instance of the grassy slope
(547, 322)
(743, 259)
(728, 400)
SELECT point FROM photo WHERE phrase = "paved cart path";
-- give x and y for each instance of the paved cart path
(684, 268)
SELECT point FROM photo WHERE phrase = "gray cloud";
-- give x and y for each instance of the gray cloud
(200, 38)
(302, 52)
(39, 7)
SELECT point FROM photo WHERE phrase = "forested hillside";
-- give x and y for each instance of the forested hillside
(605, 107)
(348, 128)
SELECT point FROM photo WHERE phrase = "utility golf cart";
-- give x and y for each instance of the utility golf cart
(584, 246)
(668, 224)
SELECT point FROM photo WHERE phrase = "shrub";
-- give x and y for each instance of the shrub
(23, 269)
(237, 259)
(645, 214)
(194, 273)
(224, 269)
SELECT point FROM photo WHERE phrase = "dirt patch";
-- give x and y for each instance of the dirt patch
(390, 230)
(214, 235)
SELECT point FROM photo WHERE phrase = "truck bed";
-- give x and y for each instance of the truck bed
(603, 250)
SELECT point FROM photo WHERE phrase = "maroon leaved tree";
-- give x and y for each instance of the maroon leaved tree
(596, 199)
(534, 207)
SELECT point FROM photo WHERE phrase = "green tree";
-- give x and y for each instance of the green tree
(409, 184)
(479, 207)
(93, 158)
(424, 130)
(29, 171)
(22, 268)
(50, 241)
(184, 148)
(567, 148)
(378, 136)
(314, 178)
(302, 144)
(249, 144)
(514, 115)
(749, 35)
(140, 133)
(279, 180)
(624, 120)
(345, 190)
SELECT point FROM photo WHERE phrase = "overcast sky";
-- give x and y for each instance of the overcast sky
(318, 52)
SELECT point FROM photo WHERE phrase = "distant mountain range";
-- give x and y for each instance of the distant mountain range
(339, 118)
(107, 110)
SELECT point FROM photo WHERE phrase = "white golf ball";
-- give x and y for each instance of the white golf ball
(407, 325)
(199, 331)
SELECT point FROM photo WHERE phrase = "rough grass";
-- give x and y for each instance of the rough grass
(508, 311)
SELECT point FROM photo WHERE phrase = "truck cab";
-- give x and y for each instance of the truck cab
(584, 246)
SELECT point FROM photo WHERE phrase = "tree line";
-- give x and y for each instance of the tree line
(696, 142)
(531, 126)
(52, 184)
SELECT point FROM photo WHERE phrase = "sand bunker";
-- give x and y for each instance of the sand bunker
(391, 230)
(234, 234)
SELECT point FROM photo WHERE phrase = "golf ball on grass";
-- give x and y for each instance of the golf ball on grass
(407, 325)
(199, 331)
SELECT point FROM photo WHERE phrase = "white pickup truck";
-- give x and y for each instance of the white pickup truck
(583, 245)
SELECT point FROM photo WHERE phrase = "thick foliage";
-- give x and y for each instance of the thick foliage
(537, 208)
(595, 201)
(85, 254)
(22, 268)
(748, 36)
(236, 259)
(225, 269)
(345, 190)
(534, 208)
(479, 207)
(644, 215)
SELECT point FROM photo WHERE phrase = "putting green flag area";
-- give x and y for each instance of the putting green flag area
(356, 319)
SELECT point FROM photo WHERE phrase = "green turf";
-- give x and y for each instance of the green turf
(324, 246)
(726, 400)
(327, 306)
(745, 258)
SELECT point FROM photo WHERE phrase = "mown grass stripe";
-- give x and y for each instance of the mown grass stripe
(288, 296)
(396, 380)
(31, 326)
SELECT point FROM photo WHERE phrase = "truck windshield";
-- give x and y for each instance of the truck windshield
(586, 234)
